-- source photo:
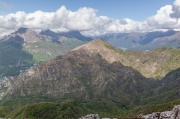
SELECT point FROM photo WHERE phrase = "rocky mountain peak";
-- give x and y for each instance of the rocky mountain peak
(28, 35)
(70, 34)
(24, 31)
(21, 30)
(96, 44)
(99, 46)
(49, 32)
(75, 34)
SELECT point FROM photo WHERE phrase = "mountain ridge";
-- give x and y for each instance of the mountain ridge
(152, 64)
(87, 73)
(93, 75)
(80, 67)
(144, 40)
(39, 47)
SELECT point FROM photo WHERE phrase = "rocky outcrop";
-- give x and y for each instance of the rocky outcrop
(91, 116)
(4, 83)
(174, 114)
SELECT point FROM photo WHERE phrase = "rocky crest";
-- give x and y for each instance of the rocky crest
(174, 114)
(28, 35)
(91, 116)
(98, 46)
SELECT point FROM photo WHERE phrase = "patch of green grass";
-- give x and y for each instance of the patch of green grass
(69, 108)
(72, 108)
(43, 51)
(4, 111)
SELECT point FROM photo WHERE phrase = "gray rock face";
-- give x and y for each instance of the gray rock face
(91, 116)
(174, 114)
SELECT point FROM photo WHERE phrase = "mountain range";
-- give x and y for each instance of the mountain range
(92, 71)
(25, 47)
(49, 67)
(29, 47)
(144, 40)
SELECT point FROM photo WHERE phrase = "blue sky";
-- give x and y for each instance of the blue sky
(90, 17)
(119, 9)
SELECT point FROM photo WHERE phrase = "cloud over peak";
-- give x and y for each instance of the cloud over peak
(86, 20)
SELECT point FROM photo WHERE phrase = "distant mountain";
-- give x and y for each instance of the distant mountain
(25, 47)
(21, 30)
(144, 41)
(172, 41)
(70, 34)
(50, 33)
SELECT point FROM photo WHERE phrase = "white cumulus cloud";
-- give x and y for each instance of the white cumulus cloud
(162, 19)
(86, 20)
(167, 17)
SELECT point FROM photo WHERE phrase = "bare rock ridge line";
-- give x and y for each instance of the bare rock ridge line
(101, 47)
(174, 114)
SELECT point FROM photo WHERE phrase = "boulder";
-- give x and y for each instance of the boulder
(91, 116)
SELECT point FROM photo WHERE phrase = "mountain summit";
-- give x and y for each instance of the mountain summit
(94, 45)
(21, 30)
(99, 46)
(69, 34)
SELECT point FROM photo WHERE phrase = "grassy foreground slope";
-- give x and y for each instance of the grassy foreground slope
(71, 108)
